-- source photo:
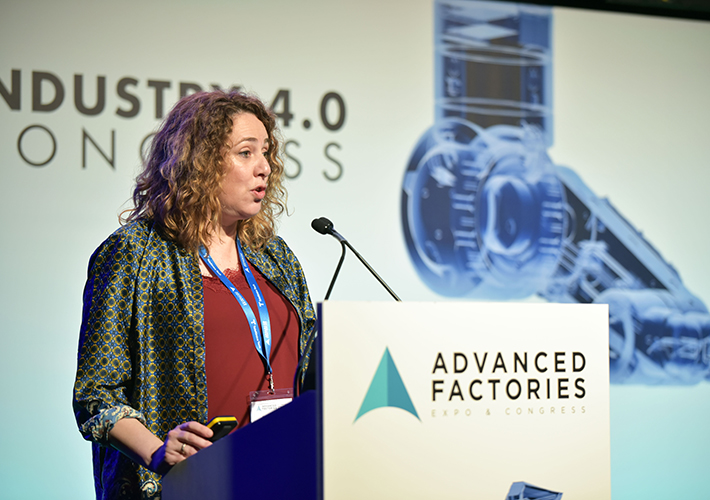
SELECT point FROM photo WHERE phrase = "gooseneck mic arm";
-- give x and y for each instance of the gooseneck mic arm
(324, 226)
(337, 270)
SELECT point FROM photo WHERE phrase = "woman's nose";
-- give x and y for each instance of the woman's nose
(264, 168)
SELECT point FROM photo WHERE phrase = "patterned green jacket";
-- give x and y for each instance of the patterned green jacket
(142, 348)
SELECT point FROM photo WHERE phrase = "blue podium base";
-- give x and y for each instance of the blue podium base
(273, 458)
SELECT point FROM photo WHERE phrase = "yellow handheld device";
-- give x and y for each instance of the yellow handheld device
(221, 426)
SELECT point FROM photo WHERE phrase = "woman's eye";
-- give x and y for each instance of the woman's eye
(245, 154)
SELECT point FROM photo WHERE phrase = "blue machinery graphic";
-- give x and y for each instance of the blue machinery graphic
(486, 213)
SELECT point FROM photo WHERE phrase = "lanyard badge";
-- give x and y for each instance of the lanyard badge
(260, 330)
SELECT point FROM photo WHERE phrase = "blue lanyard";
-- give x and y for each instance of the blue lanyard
(263, 348)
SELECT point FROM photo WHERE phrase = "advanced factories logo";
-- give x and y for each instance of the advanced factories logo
(387, 389)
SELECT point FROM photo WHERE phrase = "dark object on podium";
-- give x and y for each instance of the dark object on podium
(525, 491)
(273, 458)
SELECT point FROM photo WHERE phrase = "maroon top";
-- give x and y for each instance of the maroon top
(233, 366)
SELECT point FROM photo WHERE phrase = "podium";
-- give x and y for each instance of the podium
(269, 459)
(452, 400)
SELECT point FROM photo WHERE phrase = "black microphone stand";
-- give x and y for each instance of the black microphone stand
(369, 268)
(337, 270)
(324, 226)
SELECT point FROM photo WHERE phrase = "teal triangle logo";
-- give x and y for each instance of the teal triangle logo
(386, 389)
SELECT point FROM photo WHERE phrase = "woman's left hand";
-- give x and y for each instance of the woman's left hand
(183, 441)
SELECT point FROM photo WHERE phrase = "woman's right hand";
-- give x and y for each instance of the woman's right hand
(183, 441)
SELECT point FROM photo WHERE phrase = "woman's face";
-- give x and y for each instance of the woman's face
(246, 169)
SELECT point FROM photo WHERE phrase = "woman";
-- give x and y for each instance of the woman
(165, 343)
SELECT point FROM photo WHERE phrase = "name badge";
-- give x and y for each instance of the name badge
(261, 403)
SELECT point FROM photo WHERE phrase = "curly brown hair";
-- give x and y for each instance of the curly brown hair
(181, 181)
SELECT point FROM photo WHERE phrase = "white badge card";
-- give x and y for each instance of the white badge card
(261, 403)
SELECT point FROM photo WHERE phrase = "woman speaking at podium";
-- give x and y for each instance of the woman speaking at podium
(192, 303)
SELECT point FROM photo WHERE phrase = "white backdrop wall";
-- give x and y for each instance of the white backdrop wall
(630, 106)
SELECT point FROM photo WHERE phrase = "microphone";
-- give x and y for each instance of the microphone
(324, 226)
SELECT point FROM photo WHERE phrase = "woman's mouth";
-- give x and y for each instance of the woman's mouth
(259, 192)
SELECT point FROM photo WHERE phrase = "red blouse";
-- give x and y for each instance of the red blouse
(233, 366)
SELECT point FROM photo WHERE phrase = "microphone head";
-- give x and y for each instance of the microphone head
(322, 225)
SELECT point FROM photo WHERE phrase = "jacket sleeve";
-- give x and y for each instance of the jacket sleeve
(104, 369)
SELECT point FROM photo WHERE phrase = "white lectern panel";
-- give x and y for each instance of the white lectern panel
(461, 400)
